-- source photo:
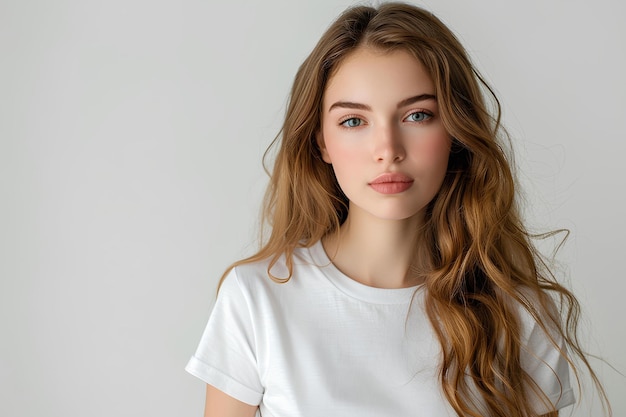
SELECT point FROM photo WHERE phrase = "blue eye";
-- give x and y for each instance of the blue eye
(418, 116)
(352, 122)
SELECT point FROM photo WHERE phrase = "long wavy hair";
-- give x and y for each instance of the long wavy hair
(482, 260)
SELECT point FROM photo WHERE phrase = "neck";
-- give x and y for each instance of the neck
(376, 252)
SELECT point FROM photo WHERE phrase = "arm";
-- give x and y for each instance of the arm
(219, 404)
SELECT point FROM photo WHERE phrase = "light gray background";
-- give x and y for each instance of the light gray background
(131, 134)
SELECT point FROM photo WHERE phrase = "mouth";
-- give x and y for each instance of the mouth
(391, 183)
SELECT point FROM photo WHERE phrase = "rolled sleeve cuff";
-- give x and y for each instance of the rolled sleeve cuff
(223, 382)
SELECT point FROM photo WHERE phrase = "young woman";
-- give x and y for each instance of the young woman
(398, 279)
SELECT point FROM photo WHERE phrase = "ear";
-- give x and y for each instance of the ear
(319, 138)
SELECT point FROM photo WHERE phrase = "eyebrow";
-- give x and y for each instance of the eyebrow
(361, 106)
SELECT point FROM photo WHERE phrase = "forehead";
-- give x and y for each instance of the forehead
(370, 74)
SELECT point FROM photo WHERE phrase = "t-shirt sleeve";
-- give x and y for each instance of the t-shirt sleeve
(548, 368)
(226, 357)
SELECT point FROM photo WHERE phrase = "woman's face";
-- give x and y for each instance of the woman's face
(382, 134)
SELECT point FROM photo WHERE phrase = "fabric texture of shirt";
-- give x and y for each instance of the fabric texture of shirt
(323, 344)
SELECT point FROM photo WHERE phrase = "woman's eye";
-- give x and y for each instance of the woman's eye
(352, 122)
(418, 116)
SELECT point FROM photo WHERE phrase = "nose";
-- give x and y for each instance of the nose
(388, 145)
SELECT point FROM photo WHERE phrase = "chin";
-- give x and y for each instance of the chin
(399, 214)
(389, 210)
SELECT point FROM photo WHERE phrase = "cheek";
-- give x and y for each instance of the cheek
(344, 161)
(342, 152)
(434, 152)
(337, 152)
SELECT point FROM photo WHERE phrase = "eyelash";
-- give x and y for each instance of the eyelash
(342, 122)
(428, 115)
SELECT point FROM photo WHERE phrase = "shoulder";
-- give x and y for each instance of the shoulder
(536, 311)
(266, 276)
(543, 351)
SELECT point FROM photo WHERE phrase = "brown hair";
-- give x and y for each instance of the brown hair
(481, 256)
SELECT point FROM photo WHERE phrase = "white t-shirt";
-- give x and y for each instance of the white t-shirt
(323, 344)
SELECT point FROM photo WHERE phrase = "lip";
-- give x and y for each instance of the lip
(391, 183)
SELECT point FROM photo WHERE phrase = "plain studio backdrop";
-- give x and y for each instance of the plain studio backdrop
(131, 135)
